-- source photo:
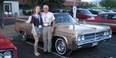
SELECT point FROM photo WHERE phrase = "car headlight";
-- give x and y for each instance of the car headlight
(7, 54)
(105, 33)
(79, 38)
(83, 37)
(1, 55)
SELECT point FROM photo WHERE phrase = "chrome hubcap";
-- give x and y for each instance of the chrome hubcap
(60, 46)
(23, 35)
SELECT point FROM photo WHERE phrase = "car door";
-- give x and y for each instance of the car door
(109, 21)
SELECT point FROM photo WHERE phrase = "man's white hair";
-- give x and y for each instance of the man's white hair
(46, 6)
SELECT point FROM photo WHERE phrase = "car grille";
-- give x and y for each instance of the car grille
(94, 35)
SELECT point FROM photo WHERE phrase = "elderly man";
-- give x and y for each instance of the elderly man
(48, 28)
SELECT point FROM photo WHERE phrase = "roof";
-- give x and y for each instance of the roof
(70, 3)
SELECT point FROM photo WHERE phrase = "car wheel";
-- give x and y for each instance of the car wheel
(61, 47)
(23, 36)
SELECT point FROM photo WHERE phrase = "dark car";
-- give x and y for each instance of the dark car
(108, 19)
(108, 11)
(7, 49)
(83, 14)
(96, 12)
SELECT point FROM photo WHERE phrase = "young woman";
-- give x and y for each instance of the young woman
(37, 23)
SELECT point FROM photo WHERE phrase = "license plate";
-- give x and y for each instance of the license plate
(95, 44)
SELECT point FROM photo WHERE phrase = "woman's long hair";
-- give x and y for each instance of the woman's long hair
(34, 10)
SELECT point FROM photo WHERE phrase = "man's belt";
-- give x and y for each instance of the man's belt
(46, 25)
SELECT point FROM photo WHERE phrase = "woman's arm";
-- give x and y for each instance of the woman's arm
(29, 19)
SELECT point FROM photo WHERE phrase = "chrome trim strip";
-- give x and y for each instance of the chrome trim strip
(106, 24)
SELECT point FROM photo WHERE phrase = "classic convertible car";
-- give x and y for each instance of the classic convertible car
(7, 49)
(69, 35)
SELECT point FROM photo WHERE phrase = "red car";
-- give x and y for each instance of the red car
(7, 49)
(108, 19)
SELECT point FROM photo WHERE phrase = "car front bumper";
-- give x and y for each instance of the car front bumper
(90, 42)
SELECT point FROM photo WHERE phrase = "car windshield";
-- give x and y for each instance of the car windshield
(63, 18)
(100, 12)
(85, 12)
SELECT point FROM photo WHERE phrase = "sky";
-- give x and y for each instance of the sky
(88, 0)
(91, 0)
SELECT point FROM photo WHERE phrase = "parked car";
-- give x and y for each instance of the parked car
(83, 14)
(108, 11)
(107, 19)
(96, 12)
(69, 35)
(7, 49)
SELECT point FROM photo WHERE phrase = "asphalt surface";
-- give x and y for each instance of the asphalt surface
(104, 50)
(25, 48)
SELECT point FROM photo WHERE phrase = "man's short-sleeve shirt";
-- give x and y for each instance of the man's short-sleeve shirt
(47, 17)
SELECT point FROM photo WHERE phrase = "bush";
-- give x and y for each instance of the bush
(27, 12)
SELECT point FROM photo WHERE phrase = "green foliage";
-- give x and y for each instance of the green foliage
(27, 5)
(55, 4)
(27, 12)
(88, 5)
(109, 4)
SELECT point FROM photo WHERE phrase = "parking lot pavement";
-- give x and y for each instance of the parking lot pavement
(25, 50)
(8, 28)
(104, 50)
(8, 31)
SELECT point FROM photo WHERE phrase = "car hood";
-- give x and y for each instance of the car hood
(80, 28)
(4, 43)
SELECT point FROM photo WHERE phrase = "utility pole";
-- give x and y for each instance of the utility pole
(1, 14)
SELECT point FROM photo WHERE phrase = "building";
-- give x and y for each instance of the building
(11, 8)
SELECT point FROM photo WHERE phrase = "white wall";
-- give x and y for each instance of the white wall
(14, 5)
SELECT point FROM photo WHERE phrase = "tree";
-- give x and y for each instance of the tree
(86, 5)
(52, 3)
(109, 4)
(55, 4)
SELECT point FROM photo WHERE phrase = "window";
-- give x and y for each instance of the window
(7, 7)
(108, 17)
(104, 16)
(114, 17)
